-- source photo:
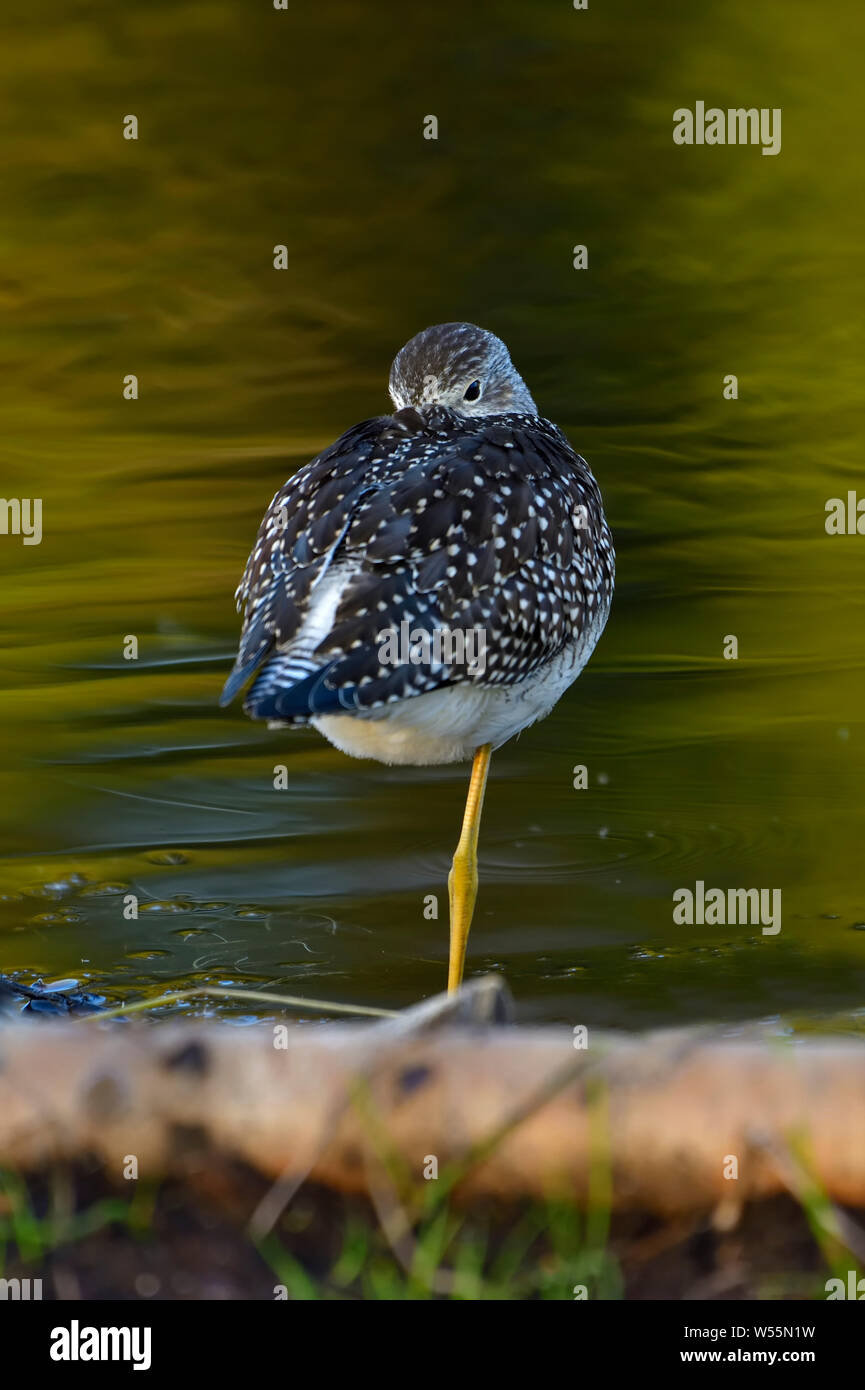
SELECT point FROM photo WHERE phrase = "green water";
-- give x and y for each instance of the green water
(154, 257)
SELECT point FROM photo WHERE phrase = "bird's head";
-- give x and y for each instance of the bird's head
(460, 366)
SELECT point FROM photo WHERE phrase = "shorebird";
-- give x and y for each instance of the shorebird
(464, 520)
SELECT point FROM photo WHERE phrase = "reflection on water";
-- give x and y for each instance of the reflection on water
(155, 258)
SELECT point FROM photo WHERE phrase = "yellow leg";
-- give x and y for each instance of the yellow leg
(463, 877)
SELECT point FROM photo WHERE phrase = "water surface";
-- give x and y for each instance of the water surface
(154, 257)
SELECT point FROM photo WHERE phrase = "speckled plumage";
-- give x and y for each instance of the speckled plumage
(446, 518)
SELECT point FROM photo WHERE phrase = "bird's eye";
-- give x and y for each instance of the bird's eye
(472, 392)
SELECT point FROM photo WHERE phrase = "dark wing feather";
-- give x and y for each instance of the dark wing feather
(432, 519)
(295, 542)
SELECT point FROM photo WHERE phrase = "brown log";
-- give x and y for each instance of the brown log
(661, 1113)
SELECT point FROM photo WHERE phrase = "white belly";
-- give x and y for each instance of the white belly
(449, 725)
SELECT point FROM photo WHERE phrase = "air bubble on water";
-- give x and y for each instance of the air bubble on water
(44, 890)
(166, 905)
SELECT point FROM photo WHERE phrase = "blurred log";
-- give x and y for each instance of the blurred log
(665, 1114)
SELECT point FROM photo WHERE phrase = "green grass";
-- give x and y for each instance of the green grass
(32, 1236)
(542, 1253)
